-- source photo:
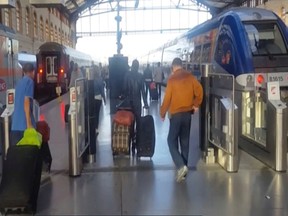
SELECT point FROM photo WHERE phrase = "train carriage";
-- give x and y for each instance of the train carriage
(250, 45)
(53, 62)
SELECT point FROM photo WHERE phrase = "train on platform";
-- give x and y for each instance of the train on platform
(53, 63)
(10, 72)
(245, 42)
(244, 49)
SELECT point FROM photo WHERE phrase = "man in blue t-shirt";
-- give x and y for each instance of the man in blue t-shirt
(23, 111)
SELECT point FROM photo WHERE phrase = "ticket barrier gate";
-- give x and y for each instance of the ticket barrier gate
(223, 121)
(76, 127)
(6, 120)
(219, 118)
(264, 126)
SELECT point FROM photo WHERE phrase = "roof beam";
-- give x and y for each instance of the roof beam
(75, 3)
(87, 4)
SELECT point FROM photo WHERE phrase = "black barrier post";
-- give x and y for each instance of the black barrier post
(90, 117)
(204, 110)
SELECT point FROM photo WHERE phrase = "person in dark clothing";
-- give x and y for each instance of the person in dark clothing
(133, 89)
(148, 79)
(99, 94)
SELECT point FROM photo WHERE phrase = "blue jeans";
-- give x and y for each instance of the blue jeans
(15, 137)
(179, 129)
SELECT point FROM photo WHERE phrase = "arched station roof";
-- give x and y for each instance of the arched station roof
(74, 7)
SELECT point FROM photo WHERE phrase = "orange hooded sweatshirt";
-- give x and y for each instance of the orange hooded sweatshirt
(183, 91)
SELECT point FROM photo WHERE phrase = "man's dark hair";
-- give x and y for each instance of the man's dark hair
(135, 65)
(28, 67)
(177, 62)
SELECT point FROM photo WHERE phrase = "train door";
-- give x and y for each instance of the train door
(51, 68)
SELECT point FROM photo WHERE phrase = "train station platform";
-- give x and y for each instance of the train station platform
(131, 186)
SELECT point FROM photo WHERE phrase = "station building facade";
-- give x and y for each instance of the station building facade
(34, 26)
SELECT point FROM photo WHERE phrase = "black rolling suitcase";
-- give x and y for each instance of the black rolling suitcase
(21, 178)
(153, 91)
(145, 137)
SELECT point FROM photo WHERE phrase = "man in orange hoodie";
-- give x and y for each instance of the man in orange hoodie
(183, 96)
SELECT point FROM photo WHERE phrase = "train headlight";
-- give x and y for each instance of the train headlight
(260, 79)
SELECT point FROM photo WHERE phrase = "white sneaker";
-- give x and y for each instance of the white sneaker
(181, 173)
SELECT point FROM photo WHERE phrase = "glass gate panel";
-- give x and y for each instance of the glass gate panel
(254, 115)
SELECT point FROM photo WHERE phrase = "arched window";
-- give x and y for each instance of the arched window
(59, 35)
(52, 32)
(35, 25)
(18, 17)
(56, 34)
(65, 39)
(41, 28)
(68, 39)
(27, 21)
(8, 17)
(47, 31)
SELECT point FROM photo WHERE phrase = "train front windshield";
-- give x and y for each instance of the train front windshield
(265, 39)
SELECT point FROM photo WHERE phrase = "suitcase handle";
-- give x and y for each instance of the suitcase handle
(145, 110)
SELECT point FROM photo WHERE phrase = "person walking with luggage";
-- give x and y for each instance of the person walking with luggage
(148, 79)
(158, 78)
(133, 89)
(23, 111)
(183, 96)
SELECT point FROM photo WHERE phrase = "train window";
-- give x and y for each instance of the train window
(265, 39)
(197, 53)
(48, 66)
(55, 64)
(206, 53)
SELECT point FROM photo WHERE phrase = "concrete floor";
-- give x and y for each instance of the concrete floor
(129, 186)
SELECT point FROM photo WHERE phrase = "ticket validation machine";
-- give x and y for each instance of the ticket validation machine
(76, 127)
(264, 126)
(75, 165)
(6, 120)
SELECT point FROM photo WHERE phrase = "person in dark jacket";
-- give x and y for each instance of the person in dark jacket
(99, 94)
(147, 78)
(133, 89)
